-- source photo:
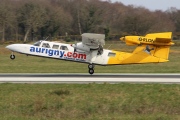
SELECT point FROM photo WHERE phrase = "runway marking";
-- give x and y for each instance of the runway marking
(86, 78)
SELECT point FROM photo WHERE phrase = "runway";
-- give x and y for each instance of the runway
(84, 78)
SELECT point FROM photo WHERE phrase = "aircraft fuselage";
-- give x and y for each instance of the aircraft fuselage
(62, 52)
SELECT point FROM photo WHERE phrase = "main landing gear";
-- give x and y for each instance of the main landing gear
(12, 56)
(91, 68)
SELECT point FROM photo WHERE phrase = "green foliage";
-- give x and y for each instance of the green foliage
(68, 39)
(106, 32)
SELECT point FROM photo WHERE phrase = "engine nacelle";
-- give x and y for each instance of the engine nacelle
(81, 46)
(131, 40)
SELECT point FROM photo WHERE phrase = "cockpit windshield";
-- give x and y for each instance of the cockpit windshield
(38, 43)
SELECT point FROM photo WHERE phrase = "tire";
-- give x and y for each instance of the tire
(91, 71)
(12, 57)
(90, 66)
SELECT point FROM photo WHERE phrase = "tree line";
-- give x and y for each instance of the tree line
(37, 19)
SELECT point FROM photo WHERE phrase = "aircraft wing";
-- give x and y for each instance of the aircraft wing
(93, 40)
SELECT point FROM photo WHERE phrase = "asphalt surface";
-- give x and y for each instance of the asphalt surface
(84, 78)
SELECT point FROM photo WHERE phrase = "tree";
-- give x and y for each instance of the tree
(138, 21)
(24, 18)
(58, 22)
(174, 16)
(113, 17)
(6, 17)
(31, 17)
(87, 15)
(162, 22)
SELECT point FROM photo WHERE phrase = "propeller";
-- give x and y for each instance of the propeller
(74, 46)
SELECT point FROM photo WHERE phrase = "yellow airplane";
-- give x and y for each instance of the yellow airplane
(152, 48)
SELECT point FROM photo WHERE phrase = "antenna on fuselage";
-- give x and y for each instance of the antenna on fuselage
(46, 38)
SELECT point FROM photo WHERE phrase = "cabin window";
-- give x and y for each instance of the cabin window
(63, 47)
(46, 45)
(111, 54)
(55, 46)
(38, 43)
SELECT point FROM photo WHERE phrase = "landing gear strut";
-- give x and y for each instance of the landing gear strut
(12, 56)
(91, 68)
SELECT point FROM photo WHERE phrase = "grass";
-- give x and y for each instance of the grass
(89, 101)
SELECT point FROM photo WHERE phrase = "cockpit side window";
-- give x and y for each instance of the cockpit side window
(38, 43)
(63, 47)
(46, 45)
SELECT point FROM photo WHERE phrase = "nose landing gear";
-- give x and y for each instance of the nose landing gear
(91, 68)
(12, 56)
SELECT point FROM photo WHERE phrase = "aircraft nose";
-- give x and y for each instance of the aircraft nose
(10, 47)
(122, 38)
(13, 47)
(21, 48)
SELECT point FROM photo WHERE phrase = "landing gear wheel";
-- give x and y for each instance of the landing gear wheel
(90, 66)
(12, 57)
(91, 71)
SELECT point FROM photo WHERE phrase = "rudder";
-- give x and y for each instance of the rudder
(162, 52)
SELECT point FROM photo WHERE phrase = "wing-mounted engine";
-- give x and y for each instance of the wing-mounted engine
(91, 42)
(80, 47)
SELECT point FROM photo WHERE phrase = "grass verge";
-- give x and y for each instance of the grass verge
(89, 101)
